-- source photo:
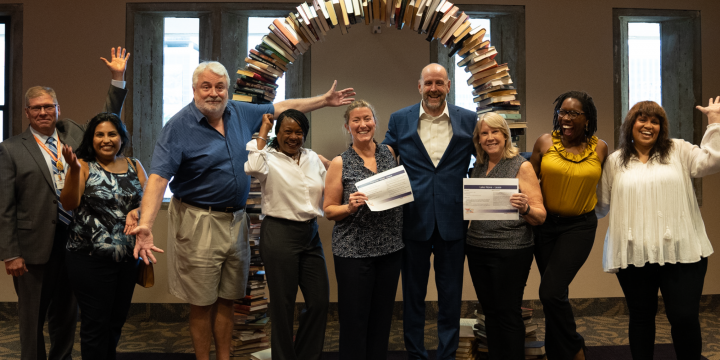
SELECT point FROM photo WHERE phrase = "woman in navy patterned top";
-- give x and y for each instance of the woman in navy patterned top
(366, 245)
(104, 189)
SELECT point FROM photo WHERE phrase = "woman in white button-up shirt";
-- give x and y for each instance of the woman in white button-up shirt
(292, 180)
(656, 238)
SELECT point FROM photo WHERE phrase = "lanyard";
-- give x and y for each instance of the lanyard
(58, 163)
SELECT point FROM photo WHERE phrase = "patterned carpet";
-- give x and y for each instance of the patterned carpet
(174, 337)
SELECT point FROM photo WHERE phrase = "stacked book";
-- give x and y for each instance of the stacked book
(261, 355)
(254, 201)
(250, 315)
(292, 36)
(466, 345)
(250, 312)
(533, 349)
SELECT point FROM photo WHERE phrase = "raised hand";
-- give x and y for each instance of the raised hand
(144, 244)
(712, 110)
(267, 124)
(70, 157)
(339, 98)
(117, 63)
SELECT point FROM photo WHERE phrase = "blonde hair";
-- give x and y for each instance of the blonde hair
(494, 121)
(359, 104)
(37, 91)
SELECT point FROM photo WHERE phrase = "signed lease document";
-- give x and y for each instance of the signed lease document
(387, 189)
(489, 199)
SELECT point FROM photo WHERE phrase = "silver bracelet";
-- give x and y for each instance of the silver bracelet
(260, 137)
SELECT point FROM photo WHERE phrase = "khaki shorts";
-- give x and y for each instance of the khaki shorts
(208, 254)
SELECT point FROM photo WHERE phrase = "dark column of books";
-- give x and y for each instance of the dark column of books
(251, 320)
(473, 338)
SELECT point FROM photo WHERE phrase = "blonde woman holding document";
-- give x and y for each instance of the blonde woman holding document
(292, 180)
(500, 252)
(366, 244)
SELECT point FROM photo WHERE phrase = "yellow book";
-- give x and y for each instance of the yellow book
(345, 18)
(461, 31)
(331, 12)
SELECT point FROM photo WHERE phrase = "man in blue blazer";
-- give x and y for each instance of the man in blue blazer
(434, 142)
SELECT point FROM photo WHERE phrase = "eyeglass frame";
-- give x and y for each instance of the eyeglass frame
(49, 108)
(569, 113)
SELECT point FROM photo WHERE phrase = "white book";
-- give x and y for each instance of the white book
(310, 11)
(357, 8)
(322, 15)
(350, 9)
(261, 355)
(419, 14)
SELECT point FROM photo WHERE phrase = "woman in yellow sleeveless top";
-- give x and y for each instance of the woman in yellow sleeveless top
(569, 164)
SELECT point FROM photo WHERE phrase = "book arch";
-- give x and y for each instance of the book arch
(289, 38)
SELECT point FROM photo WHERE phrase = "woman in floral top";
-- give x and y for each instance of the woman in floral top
(104, 189)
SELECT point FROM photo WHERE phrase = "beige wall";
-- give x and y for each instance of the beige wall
(569, 46)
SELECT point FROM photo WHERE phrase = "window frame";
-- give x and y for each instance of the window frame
(507, 26)
(12, 121)
(144, 99)
(6, 128)
(685, 121)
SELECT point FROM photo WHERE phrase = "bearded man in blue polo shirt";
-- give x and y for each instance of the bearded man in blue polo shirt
(202, 148)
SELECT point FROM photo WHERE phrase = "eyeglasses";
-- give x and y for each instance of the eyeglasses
(48, 108)
(572, 114)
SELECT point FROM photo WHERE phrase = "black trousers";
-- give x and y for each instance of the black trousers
(45, 291)
(104, 290)
(293, 256)
(681, 286)
(366, 297)
(561, 248)
(499, 277)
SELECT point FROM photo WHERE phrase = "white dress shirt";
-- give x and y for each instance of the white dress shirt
(654, 216)
(289, 191)
(435, 133)
(48, 159)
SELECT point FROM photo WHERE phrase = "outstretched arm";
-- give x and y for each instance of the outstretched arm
(330, 98)
(152, 199)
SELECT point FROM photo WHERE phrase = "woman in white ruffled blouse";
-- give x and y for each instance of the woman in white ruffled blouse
(656, 238)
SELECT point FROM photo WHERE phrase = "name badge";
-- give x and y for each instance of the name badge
(59, 180)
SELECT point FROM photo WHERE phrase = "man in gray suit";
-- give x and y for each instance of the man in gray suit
(33, 226)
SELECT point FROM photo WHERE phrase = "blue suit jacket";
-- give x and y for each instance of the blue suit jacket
(437, 190)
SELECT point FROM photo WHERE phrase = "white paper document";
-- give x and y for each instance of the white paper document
(387, 189)
(489, 199)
